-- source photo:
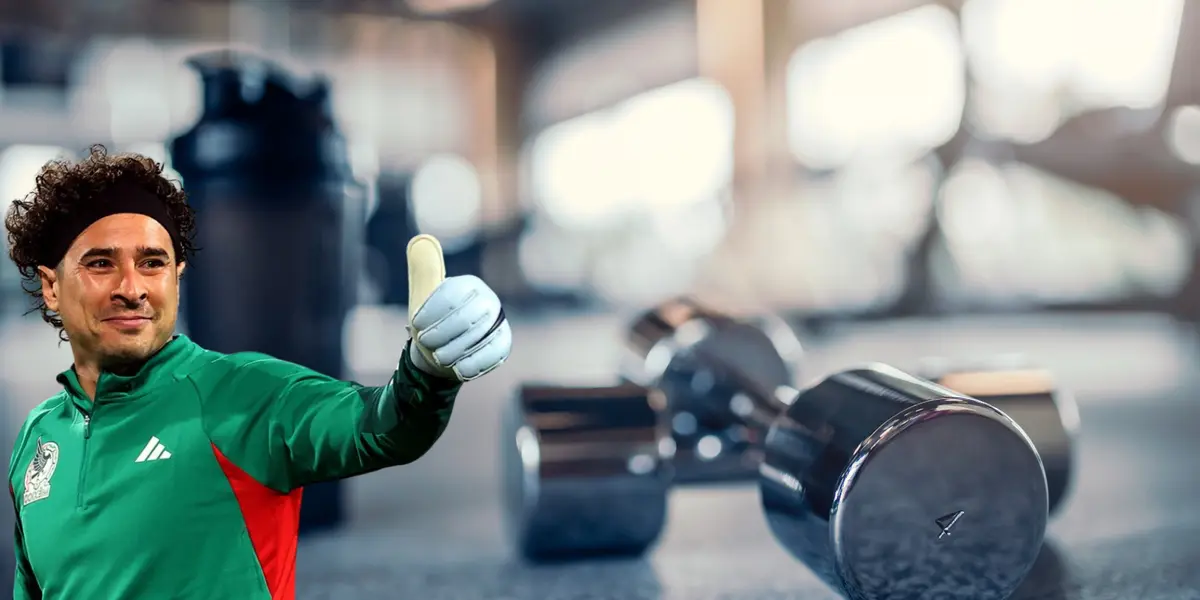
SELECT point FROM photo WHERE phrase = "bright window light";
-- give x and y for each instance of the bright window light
(1183, 133)
(1098, 53)
(447, 200)
(661, 150)
(893, 86)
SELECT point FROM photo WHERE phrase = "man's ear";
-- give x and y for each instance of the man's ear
(179, 267)
(49, 279)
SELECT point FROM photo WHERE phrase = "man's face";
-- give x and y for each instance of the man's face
(117, 289)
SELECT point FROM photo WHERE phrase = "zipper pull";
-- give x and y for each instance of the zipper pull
(87, 426)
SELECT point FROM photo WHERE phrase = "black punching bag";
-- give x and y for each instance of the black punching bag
(279, 225)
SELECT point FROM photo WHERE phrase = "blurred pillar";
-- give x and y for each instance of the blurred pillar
(501, 93)
(731, 50)
(483, 149)
(745, 45)
(781, 38)
(496, 84)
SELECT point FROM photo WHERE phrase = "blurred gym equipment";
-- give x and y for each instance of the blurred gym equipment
(871, 465)
(699, 358)
(588, 471)
(1032, 398)
(279, 223)
(723, 379)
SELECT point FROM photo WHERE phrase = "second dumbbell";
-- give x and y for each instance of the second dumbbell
(1046, 410)
(865, 466)
(724, 379)
(701, 360)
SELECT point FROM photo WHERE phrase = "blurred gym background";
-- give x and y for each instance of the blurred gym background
(897, 178)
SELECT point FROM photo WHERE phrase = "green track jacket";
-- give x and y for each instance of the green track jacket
(183, 481)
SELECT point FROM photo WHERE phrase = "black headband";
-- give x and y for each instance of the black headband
(119, 198)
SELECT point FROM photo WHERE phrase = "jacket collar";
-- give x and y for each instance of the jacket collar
(159, 368)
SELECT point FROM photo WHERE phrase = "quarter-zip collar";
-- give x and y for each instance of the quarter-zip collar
(159, 368)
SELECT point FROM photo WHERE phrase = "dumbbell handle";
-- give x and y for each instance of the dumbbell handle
(765, 404)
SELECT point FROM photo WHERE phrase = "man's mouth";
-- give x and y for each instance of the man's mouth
(127, 321)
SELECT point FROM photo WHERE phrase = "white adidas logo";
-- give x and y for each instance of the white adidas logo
(154, 450)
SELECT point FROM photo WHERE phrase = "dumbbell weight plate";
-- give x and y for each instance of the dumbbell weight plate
(889, 486)
(585, 470)
(1045, 411)
(703, 360)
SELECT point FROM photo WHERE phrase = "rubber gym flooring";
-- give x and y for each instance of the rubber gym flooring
(1130, 531)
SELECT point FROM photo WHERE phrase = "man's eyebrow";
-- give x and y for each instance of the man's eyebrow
(109, 252)
(153, 251)
(99, 253)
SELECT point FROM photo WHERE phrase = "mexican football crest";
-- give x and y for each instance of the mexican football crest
(39, 471)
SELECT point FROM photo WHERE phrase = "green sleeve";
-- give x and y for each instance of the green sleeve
(25, 586)
(288, 426)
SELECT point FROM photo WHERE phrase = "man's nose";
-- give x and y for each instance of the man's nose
(132, 287)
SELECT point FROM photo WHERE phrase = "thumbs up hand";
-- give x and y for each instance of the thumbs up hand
(457, 325)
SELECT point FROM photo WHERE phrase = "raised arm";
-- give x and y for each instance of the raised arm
(288, 426)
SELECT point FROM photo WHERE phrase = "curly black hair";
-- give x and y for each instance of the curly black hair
(62, 188)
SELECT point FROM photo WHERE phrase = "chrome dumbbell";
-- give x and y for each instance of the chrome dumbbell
(700, 360)
(586, 470)
(1046, 410)
(884, 484)
(589, 469)
(890, 486)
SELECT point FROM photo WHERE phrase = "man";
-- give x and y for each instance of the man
(165, 470)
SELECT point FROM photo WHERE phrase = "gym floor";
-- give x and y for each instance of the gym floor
(432, 530)
(1131, 529)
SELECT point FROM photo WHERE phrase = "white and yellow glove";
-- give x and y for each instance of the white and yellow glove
(457, 325)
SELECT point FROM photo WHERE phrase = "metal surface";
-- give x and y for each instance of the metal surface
(1047, 413)
(584, 471)
(888, 486)
(718, 374)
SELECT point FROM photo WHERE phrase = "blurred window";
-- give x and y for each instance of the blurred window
(1038, 62)
(628, 198)
(142, 90)
(1017, 233)
(894, 86)
(663, 149)
(1183, 133)
(447, 200)
(846, 246)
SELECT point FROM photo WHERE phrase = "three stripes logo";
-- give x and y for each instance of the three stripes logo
(154, 450)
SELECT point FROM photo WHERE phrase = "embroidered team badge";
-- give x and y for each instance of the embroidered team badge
(41, 468)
